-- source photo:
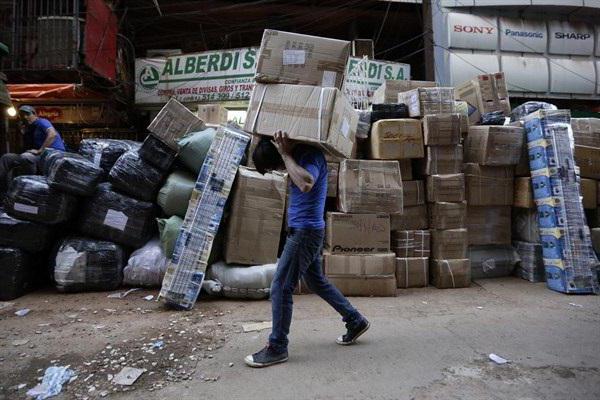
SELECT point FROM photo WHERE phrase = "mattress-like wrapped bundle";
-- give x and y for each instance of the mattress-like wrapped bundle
(105, 152)
(115, 217)
(16, 273)
(157, 153)
(74, 174)
(134, 176)
(84, 265)
(24, 235)
(31, 198)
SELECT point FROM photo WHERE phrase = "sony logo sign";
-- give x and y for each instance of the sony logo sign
(572, 35)
(487, 30)
(340, 249)
(510, 32)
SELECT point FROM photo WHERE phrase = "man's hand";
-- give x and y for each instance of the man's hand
(282, 143)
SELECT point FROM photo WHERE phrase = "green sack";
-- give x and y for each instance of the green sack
(193, 148)
(169, 230)
(175, 194)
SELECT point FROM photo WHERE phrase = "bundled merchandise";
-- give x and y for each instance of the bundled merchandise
(22, 234)
(168, 230)
(520, 112)
(364, 124)
(395, 139)
(569, 259)
(388, 111)
(412, 272)
(213, 114)
(388, 92)
(135, 177)
(85, 265)
(146, 266)
(523, 193)
(448, 215)
(357, 233)
(596, 240)
(525, 225)
(586, 131)
(441, 129)
(449, 244)
(362, 274)
(492, 261)
(412, 218)
(442, 160)
(173, 121)
(193, 148)
(494, 145)
(450, 274)
(333, 169)
(589, 193)
(411, 244)
(157, 153)
(446, 188)
(242, 281)
(413, 193)
(174, 196)
(428, 100)
(489, 186)
(488, 225)
(74, 174)
(47, 158)
(531, 264)
(485, 94)
(105, 152)
(587, 159)
(17, 270)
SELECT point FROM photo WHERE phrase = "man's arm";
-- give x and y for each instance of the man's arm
(300, 176)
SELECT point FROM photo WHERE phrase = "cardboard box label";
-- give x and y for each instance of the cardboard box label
(294, 57)
(358, 233)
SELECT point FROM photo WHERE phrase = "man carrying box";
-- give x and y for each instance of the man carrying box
(301, 255)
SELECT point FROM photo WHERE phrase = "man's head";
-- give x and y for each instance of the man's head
(266, 157)
(28, 113)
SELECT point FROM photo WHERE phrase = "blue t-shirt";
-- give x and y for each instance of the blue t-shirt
(306, 209)
(36, 133)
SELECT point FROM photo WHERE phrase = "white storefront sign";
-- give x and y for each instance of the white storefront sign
(523, 36)
(376, 73)
(570, 38)
(467, 31)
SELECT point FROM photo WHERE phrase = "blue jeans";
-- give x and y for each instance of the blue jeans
(301, 257)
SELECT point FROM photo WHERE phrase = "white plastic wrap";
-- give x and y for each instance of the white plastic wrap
(243, 282)
(146, 266)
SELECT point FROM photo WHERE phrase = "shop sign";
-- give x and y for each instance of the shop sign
(522, 36)
(370, 74)
(570, 38)
(467, 31)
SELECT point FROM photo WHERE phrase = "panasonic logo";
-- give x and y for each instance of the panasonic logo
(510, 32)
(572, 35)
(340, 249)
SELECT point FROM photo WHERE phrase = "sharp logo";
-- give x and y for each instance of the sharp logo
(572, 35)
(510, 32)
(340, 249)
(484, 30)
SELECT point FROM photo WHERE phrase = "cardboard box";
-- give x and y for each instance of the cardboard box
(388, 91)
(256, 218)
(488, 225)
(446, 188)
(441, 129)
(414, 243)
(365, 285)
(412, 272)
(596, 240)
(310, 114)
(362, 275)
(358, 233)
(412, 218)
(286, 57)
(395, 139)
(589, 192)
(173, 121)
(523, 193)
(489, 186)
(441, 160)
(449, 243)
(425, 101)
(449, 274)
(486, 93)
(494, 145)
(588, 160)
(406, 170)
(413, 193)
(214, 114)
(586, 131)
(522, 168)
(445, 215)
(462, 108)
(370, 186)
(333, 169)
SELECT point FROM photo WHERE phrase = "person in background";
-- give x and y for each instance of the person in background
(38, 135)
(301, 255)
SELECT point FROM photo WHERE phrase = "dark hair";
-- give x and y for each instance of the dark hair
(266, 157)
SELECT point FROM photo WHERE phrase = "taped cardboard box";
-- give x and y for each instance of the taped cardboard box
(368, 186)
(523, 193)
(449, 243)
(450, 274)
(357, 233)
(486, 93)
(395, 139)
(446, 215)
(489, 186)
(440, 160)
(388, 92)
(441, 129)
(588, 160)
(333, 168)
(586, 131)
(411, 219)
(314, 115)
(492, 261)
(446, 188)
(214, 114)
(406, 170)
(365, 285)
(413, 193)
(596, 240)
(589, 193)
(286, 57)
(360, 264)
(412, 272)
(494, 145)
(414, 243)
(173, 121)
(256, 218)
(426, 101)
(488, 225)
(522, 168)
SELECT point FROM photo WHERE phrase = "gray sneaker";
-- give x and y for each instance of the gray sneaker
(265, 358)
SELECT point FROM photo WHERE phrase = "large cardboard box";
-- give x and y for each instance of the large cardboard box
(333, 169)
(412, 272)
(413, 193)
(441, 129)
(286, 57)
(365, 285)
(370, 186)
(406, 170)
(173, 121)
(523, 193)
(596, 240)
(446, 188)
(310, 114)
(450, 274)
(214, 114)
(440, 160)
(489, 225)
(414, 243)
(447, 215)
(256, 218)
(588, 160)
(412, 218)
(449, 243)
(486, 93)
(426, 101)
(395, 139)
(494, 145)
(489, 186)
(362, 275)
(388, 91)
(586, 131)
(589, 192)
(358, 233)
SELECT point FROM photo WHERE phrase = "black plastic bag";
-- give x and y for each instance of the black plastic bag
(388, 111)
(493, 118)
(84, 264)
(31, 198)
(115, 217)
(157, 153)
(47, 158)
(74, 174)
(24, 235)
(105, 152)
(16, 273)
(520, 112)
(133, 176)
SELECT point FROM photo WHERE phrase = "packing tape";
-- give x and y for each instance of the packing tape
(447, 264)
(320, 115)
(406, 272)
(262, 98)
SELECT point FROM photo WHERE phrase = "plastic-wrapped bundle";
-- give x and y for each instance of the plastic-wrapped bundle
(525, 225)
(47, 158)
(175, 194)
(16, 273)
(31, 198)
(520, 112)
(135, 177)
(493, 118)
(388, 111)
(74, 174)
(531, 267)
(112, 216)
(168, 229)
(146, 266)
(24, 235)
(364, 124)
(491, 261)
(84, 265)
(157, 153)
(105, 152)
(193, 148)
(243, 282)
